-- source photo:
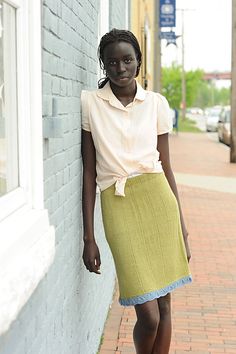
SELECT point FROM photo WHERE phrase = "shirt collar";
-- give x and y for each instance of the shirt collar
(107, 94)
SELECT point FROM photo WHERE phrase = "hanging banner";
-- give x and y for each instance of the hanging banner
(167, 13)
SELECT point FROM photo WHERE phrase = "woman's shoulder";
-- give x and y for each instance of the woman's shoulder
(156, 95)
(87, 94)
(159, 98)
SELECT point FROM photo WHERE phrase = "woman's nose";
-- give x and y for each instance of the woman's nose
(121, 66)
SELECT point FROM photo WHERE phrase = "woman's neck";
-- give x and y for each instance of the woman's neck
(124, 94)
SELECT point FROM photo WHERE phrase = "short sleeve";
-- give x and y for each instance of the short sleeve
(85, 111)
(164, 120)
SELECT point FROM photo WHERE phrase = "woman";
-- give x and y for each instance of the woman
(125, 152)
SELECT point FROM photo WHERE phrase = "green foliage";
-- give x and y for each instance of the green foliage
(199, 93)
(209, 95)
(171, 83)
(188, 125)
(193, 80)
(204, 96)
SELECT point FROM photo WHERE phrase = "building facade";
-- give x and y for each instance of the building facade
(49, 302)
(144, 24)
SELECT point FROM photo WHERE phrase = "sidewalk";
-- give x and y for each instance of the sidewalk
(203, 313)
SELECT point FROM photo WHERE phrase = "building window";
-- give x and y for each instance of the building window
(9, 176)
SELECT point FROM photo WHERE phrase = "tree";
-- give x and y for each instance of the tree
(193, 82)
(171, 85)
(199, 93)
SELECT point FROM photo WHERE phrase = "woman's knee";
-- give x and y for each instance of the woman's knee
(164, 304)
(148, 316)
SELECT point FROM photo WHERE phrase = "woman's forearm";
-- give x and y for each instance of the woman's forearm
(88, 203)
(89, 185)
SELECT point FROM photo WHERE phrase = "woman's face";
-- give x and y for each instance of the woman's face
(120, 63)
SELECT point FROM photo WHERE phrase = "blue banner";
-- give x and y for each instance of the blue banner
(167, 13)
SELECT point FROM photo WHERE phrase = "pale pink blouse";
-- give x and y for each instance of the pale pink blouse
(125, 138)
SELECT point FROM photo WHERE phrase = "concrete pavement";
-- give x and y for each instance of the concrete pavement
(204, 313)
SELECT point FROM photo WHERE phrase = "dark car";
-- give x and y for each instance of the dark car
(224, 130)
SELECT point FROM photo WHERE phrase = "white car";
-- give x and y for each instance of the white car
(212, 119)
(224, 130)
(195, 110)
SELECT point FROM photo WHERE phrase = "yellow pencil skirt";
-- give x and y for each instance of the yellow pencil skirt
(144, 233)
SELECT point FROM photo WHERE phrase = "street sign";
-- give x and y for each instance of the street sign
(170, 35)
(167, 13)
(171, 41)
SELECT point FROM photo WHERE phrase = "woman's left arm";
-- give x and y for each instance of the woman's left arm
(163, 148)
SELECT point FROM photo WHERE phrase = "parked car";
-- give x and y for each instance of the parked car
(212, 118)
(224, 132)
(194, 110)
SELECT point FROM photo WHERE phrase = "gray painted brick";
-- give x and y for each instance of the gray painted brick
(55, 86)
(52, 5)
(48, 40)
(66, 175)
(59, 161)
(47, 84)
(50, 20)
(47, 105)
(46, 63)
(53, 128)
(63, 87)
(59, 179)
(60, 232)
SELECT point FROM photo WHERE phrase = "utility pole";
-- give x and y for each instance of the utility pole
(183, 103)
(233, 87)
(183, 76)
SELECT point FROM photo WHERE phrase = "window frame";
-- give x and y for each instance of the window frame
(27, 240)
(20, 196)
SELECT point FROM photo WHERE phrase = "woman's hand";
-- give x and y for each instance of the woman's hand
(91, 257)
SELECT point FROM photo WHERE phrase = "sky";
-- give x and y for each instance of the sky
(207, 35)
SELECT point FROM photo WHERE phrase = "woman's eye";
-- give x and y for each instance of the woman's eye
(127, 61)
(112, 62)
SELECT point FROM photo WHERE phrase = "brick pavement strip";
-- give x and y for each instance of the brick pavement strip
(204, 313)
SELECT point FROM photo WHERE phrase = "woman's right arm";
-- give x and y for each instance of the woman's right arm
(91, 256)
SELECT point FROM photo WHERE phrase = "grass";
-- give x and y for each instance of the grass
(100, 344)
(188, 125)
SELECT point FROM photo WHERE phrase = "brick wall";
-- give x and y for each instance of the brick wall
(66, 313)
(117, 16)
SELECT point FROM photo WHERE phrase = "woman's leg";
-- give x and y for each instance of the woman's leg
(145, 329)
(163, 337)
